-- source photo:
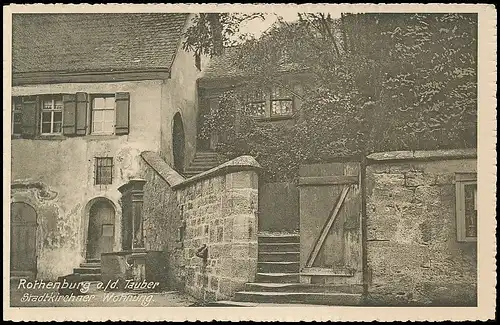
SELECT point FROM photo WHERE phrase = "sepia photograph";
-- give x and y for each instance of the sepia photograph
(230, 158)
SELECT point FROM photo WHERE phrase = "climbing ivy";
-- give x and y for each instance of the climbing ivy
(376, 82)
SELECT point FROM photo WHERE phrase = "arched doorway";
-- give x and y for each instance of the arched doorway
(22, 238)
(101, 228)
(178, 143)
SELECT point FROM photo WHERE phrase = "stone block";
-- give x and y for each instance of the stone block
(415, 178)
(383, 181)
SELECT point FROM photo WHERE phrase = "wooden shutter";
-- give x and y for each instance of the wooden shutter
(30, 109)
(69, 114)
(81, 113)
(122, 113)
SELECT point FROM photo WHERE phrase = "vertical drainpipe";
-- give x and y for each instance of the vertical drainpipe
(364, 256)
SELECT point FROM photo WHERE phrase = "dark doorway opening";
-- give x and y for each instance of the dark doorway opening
(101, 231)
(178, 143)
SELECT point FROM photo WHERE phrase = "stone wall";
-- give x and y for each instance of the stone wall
(216, 208)
(412, 249)
(162, 219)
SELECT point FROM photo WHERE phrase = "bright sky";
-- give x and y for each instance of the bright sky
(257, 26)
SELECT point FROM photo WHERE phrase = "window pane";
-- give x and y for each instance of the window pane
(97, 126)
(98, 116)
(47, 104)
(57, 117)
(59, 104)
(99, 103)
(470, 210)
(46, 117)
(46, 127)
(281, 107)
(57, 127)
(109, 115)
(17, 117)
(110, 102)
(107, 127)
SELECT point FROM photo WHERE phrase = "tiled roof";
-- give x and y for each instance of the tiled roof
(95, 42)
(225, 66)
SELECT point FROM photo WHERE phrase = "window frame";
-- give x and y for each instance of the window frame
(52, 110)
(461, 180)
(92, 97)
(268, 100)
(16, 100)
(97, 170)
(280, 99)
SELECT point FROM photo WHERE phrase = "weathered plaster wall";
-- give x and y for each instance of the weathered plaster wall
(412, 249)
(218, 209)
(66, 167)
(180, 94)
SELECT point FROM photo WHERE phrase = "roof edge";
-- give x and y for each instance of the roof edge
(52, 77)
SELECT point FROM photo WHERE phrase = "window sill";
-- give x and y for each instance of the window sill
(93, 137)
(274, 118)
(50, 137)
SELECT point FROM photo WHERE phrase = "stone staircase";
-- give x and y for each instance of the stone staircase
(277, 279)
(90, 270)
(202, 161)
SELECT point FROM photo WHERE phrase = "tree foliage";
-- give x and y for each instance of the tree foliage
(377, 82)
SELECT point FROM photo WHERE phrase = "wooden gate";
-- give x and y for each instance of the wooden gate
(330, 222)
(22, 238)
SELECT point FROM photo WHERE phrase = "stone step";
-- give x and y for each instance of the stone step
(87, 270)
(90, 277)
(278, 267)
(277, 277)
(93, 260)
(194, 170)
(303, 287)
(203, 164)
(206, 153)
(279, 247)
(279, 238)
(279, 257)
(325, 298)
(90, 265)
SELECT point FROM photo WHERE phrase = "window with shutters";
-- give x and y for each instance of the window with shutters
(103, 170)
(70, 114)
(103, 114)
(466, 206)
(51, 117)
(17, 115)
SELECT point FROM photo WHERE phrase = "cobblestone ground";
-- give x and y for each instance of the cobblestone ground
(20, 297)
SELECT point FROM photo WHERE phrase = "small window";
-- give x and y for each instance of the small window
(281, 102)
(103, 115)
(17, 115)
(255, 103)
(51, 115)
(466, 206)
(275, 102)
(103, 171)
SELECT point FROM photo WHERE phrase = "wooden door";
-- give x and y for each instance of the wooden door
(23, 238)
(330, 219)
(101, 231)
